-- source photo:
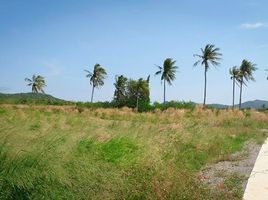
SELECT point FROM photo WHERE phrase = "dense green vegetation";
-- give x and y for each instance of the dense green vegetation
(129, 99)
(31, 98)
(57, 152)
(132, 93)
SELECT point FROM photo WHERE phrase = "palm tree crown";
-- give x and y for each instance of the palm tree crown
(210, 55)
(120, 87)
(245, 74)
(37, 83)
(96, 77)
(234, 72)
(246, 71)
(167, 72)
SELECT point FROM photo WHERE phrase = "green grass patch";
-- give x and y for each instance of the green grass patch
(60, 153)
(116, 150)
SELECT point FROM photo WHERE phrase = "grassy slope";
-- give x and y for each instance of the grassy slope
(28, 97)
(59, 153)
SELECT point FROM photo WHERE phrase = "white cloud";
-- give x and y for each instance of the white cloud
(253, 25)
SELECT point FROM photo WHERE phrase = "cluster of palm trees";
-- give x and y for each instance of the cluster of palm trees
(210, 56)
(241, 75)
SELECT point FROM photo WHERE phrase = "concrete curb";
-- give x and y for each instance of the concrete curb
(257, 186)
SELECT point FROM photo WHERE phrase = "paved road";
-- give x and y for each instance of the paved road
(257, 186)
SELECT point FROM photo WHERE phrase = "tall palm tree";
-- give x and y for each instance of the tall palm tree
(245, 74)
(96, 78)
(210, 55)
(167, 72)
(234, 72)
(37, 83)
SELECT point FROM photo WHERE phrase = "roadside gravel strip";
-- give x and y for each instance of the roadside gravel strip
(257, 186)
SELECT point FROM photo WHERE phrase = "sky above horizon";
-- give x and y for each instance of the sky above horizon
(59, 39)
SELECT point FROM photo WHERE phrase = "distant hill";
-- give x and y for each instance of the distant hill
(30, 98)
(256, 104)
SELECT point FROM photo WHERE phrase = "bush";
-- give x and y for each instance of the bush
(173, 104)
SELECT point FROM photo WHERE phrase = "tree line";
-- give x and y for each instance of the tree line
(132, 93)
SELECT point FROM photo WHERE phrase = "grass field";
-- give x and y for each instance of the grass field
(63, 153)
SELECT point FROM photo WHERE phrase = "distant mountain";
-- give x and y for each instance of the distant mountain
(256, 104)
(29, 97)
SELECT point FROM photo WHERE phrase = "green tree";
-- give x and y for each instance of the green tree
(167, 72)
(96, 78)
(37, 83)
(209, 55)
(234, 72)
(245, 74)
(120, 93)
(138, 93)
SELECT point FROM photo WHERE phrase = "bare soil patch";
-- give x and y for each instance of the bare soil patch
(239, 166)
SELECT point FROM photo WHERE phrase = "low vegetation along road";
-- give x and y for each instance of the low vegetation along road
(51, 152)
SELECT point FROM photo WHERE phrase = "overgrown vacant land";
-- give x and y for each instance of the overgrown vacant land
(67, 153)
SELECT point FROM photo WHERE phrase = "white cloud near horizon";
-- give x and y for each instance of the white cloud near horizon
(253, 25)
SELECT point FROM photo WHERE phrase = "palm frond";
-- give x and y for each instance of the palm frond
(196, 63)
(28, 80)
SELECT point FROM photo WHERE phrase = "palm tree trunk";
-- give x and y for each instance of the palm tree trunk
(240, 99)
(233, 91)
(205, 87)
(164, 91)
(92, 93)
(137, 103)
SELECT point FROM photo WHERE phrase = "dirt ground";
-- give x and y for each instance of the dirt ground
(239, 167)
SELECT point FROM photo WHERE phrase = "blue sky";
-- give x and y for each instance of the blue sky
(59, 39)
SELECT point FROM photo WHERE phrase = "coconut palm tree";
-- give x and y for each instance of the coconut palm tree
(37, 83)
(209, 55)
(245, 74)
(167, 72)
(96, 78)
(234, 72)
(120, 89)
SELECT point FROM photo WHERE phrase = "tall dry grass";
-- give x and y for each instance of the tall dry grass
(118, 153)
